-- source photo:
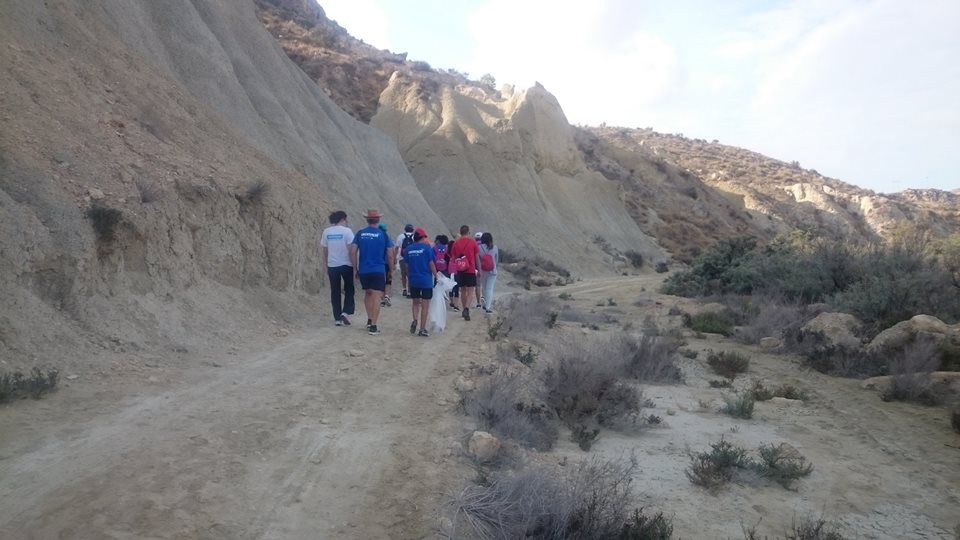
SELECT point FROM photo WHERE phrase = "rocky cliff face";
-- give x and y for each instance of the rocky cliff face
(164, 171)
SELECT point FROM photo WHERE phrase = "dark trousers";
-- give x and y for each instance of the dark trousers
(336, 275)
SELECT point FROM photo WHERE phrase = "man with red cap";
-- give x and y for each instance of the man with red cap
(422, 274)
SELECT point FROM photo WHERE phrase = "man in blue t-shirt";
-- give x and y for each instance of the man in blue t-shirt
(421, 274)
(370, 254)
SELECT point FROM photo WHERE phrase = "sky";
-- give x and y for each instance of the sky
(866, 91)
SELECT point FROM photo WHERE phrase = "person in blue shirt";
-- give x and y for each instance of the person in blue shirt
(421, 275)
(370, 253)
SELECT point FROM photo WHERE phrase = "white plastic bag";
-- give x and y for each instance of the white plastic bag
(437, 318)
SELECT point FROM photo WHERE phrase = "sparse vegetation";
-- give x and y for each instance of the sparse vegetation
(16, 385)
(149, 192)
(721, 383)
(589, 500)
(662, 267)
(880, 284)
(714, 468)
(910, 378)
(502, 406)
(527, 357)
(779, 463)
(105, 221)
(738, 407)
(255, 193)
(782, 464)
(955, 418)
(728, 363)
(635, 258)
(584, 436)
(565, 296)
(709, 322)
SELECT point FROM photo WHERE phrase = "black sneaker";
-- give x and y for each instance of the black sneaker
(373, 330)
(488, 311)
(405, 294)
(466, 314)
(454, 308)
(423, 333)
(345, 319)
(369, 323)
(413, 327)
(479, 306)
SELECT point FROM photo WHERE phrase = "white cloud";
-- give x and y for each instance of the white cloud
(867, 95)
(568, 47)
(364, 19)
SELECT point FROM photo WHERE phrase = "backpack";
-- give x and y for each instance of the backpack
(460, 264)
(487, 263)
(407, 240)
(440, 257)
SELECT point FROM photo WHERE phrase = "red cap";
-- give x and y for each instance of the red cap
(420, 232)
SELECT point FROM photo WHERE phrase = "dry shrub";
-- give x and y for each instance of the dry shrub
(709, 322)
(813, 529)
(105, 221)
(728, 363)
(528, 316)
(503, 406)
(588, 501)
(955, 418)
(765, 316)
(651, 358)
(582, 382)
(910, 376)
(16, 385)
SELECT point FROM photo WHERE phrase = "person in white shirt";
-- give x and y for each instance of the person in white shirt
(404, 239)
(333, 245)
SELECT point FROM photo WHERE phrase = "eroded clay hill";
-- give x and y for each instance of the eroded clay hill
(165, 169)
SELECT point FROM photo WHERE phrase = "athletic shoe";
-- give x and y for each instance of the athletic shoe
(479, 306)
(413, 327)
(369, 323)
(466, 314)
(345, 319)
(405, 294)
(385, 302)
(423, 333)
(454, 308)
(339, 322)
(488, 311)
(373, 330)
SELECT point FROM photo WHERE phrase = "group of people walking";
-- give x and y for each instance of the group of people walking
(369, 256)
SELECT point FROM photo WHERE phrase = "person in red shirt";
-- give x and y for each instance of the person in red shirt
(465, 249)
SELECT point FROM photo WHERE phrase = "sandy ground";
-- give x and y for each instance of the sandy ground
(326, 433)
(330, 433)
(881, 470)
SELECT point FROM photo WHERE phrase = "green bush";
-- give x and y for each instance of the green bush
(880, 284)
(739, 407)
(710, 322)
(782, 464)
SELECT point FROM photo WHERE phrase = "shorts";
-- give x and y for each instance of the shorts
(425, 294)
(377, 282)
(466, 279)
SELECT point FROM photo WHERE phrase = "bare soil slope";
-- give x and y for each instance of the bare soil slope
(210, 162)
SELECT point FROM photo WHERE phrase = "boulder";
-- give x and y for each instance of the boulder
(464, 384)
(918, 328)
(768, 343)
(838, 329)
(483, 446)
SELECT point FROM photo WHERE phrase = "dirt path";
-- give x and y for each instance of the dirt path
(330, 433)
